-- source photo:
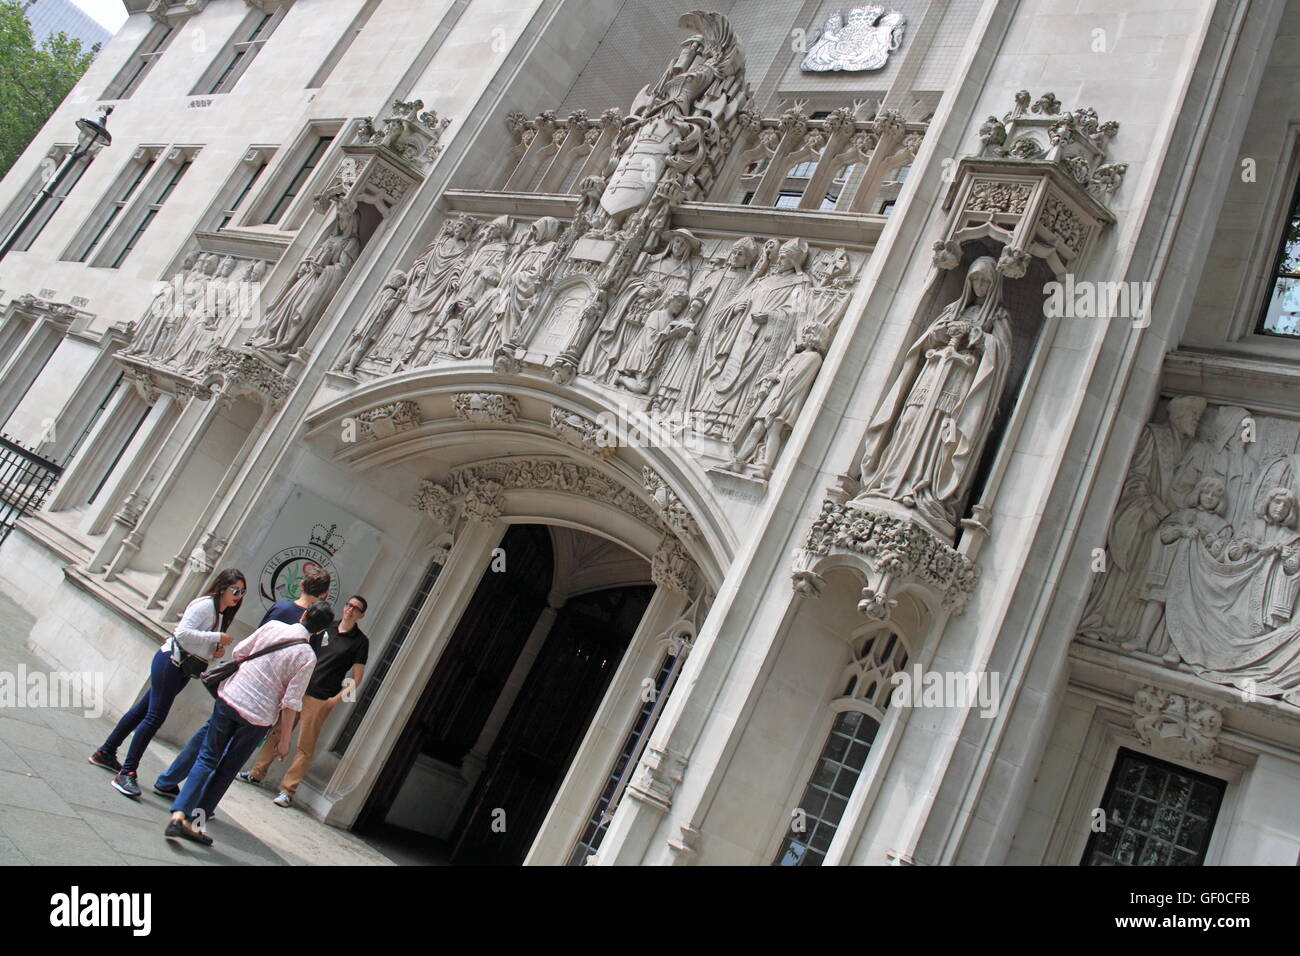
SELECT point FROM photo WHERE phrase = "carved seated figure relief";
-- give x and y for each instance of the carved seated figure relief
(1217, 583)
(924, 443)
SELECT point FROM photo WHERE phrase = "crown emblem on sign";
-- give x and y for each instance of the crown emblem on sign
(327, 539)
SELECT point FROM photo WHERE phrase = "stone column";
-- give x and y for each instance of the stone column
(126, 476)
(80, 407)
(1264, 830)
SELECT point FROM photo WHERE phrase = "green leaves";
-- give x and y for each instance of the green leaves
(33, 81)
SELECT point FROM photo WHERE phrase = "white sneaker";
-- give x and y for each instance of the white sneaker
(283, 800)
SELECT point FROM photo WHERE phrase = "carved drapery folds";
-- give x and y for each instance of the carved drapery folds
(197, 311)
(1202, 556)
(716, 341)
(377, 172)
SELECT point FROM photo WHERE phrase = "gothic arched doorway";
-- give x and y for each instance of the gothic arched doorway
(483, 753)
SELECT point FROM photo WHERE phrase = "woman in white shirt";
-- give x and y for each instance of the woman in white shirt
(199, 637)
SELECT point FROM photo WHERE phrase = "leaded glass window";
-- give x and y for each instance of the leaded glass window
(1282, 307)
(1157, 814)
(867, 687)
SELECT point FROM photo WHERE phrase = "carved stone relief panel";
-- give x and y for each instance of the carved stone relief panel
(1202, 558)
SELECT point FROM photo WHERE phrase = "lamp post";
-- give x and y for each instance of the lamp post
(89, 133)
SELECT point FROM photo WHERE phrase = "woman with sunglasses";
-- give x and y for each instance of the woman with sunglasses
(199, 637)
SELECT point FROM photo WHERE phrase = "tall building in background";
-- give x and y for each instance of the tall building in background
(782, 433)
(63, 16)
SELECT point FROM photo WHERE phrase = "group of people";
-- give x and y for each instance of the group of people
(293, 670)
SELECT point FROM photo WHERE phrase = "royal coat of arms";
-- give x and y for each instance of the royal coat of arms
(863, 43)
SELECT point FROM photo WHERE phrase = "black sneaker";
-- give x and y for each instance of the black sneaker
(166, 790)
(125, 783)
(102, 758)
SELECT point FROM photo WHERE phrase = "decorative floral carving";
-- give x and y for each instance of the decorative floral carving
(671, 508)
(1177, 724)
(583, 433)
(436, 501)
(483, 501)
(486, 408)
(1061, 221)
(243, 371)
(1013, 263)
(672, 567)
(989, 196)
(896, 547)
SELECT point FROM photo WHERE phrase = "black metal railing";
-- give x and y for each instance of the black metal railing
(25, 479)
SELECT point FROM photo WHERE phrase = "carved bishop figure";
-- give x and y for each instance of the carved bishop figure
(924, 443)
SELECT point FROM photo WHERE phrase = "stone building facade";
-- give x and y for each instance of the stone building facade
(778, 433)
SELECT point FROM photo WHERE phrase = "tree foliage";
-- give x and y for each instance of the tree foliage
(33, 80)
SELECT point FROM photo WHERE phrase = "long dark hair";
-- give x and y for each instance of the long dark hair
(227, 578)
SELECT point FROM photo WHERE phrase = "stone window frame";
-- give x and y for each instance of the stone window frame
(114, 202)
(344, 43)
(287, 166)
(133, 73)
(235, 195)
(239, 51)
(45, 170)
(144, 205)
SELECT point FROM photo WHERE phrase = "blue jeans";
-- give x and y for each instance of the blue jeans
(149, 712)
(229, 742)
(175, 775)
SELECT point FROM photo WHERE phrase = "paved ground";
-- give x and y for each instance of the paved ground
(58, 809)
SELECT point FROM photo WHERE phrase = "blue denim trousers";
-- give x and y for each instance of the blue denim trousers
(149, 712)
(229, 742)
(175, 775)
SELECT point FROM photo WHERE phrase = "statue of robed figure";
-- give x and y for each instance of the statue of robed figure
(923, 445)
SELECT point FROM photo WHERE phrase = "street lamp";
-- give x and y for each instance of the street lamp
(89, 134)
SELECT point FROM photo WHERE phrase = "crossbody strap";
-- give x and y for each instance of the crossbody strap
(268, 650)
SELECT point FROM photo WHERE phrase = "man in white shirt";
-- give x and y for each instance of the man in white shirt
(246, 708)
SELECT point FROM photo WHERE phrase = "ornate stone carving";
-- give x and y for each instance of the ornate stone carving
(897, 550)
(240, 371)
(291, 318)
(384, 421)
(483, 501)
(410, 132)
(373, 323)
(583, 433)
(537, 473)
(1060, 220)
(987, 196)
(437, 502)
(671, 509)
(672, 567)
(1177, 724)
(1076, 141)
(923, 445)
(864, 42)
(486, 408)
(194, 313)
(1203, 551)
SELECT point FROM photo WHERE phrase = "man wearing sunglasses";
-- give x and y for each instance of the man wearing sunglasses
(341, 653)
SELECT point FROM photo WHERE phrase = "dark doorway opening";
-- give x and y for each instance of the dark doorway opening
(485, 806)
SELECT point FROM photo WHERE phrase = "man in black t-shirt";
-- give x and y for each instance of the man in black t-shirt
(341, 653)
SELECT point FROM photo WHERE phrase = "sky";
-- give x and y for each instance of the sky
(111, 14)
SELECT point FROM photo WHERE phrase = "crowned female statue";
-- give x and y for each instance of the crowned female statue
(923, 445)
